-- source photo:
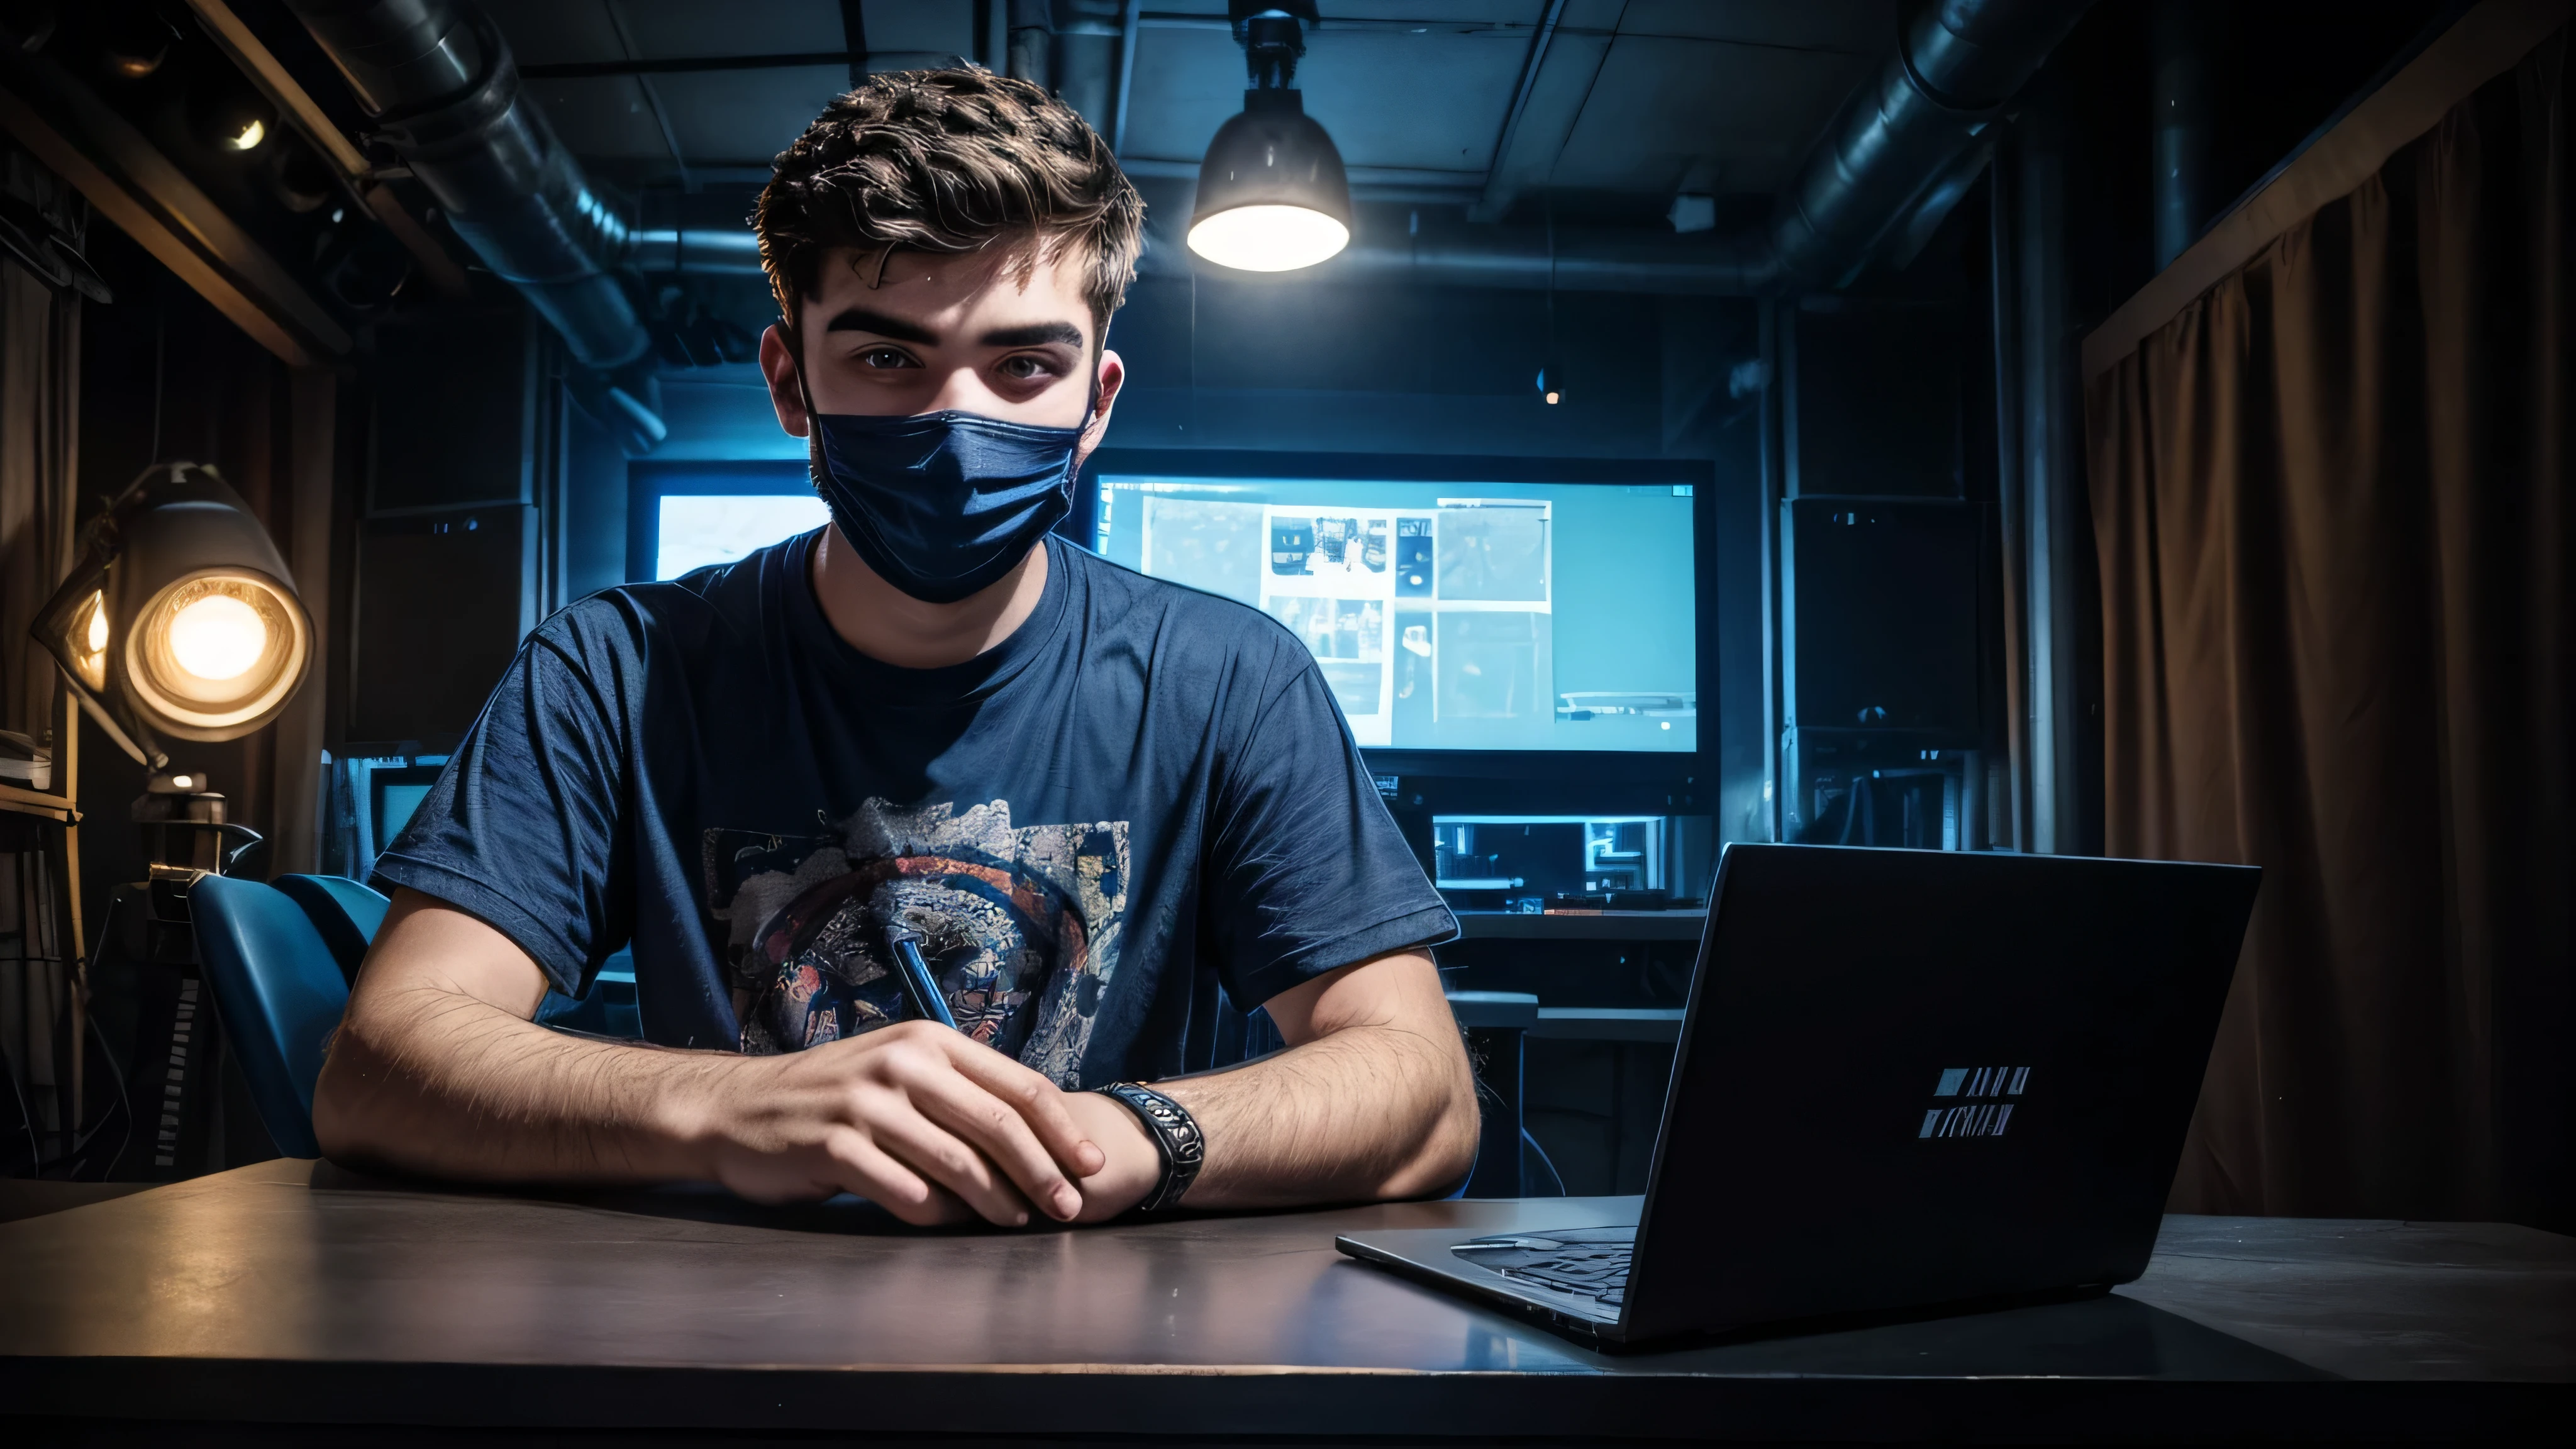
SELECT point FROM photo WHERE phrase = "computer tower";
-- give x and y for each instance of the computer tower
(1882, 670)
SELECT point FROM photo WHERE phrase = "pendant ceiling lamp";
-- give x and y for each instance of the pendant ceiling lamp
(1273, 196)
(181, 619)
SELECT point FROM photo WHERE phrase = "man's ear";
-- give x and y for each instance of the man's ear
(1113, 376)
(778, 364)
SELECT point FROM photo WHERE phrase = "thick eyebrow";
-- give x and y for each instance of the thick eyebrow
(1034, 334)
(860, 319)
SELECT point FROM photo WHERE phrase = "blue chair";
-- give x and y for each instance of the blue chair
(346, 913)
(280, 990)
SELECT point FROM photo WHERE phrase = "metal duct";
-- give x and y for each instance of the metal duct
(1581, 261)
(698, 251)
(1954, 68)
(438, 80)
(2180, 45)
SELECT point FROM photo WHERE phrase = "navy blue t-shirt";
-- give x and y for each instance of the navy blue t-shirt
(1144, 794)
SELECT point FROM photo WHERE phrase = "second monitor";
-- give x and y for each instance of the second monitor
(1446, 615)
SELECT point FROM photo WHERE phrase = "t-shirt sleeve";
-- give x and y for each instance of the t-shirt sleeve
(1307, 872)
(524, 828)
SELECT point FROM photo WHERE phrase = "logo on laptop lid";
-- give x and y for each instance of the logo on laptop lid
(1972, 1117)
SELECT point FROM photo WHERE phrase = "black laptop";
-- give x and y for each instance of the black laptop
(1906, 1079)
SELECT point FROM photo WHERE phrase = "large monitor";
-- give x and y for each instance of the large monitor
(682, 516)
(1456, 615)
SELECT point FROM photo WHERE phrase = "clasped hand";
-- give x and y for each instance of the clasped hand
(930, 1125)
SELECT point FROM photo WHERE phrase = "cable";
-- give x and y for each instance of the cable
(116, 1070)
(1544, 1161)
(26, 1118)
(124, 1109)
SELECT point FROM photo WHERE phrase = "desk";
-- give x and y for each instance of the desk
(1609, 1023)
(1582, 926)
(287, 1292)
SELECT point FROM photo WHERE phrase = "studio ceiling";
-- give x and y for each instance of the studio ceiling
(1633, 97)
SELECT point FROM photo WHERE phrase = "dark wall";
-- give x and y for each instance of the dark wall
(450, 547)
(1289, 365)
(2279, 72)
(592, 487)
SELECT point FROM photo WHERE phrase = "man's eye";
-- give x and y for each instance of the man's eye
(886, 357)
(1024, 368)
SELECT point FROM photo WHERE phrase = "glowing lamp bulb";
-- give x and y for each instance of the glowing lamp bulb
(1269, 237)
(252, 132)
(97, 622)
(218, 637)
(1553, 396)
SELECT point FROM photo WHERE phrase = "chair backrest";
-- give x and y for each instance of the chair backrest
(280, 993)
(345, 912)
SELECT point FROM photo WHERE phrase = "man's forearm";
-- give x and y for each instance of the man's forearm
(1367, 1112)
(435, 1081)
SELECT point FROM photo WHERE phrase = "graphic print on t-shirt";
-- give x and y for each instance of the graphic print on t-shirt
(1020, 926)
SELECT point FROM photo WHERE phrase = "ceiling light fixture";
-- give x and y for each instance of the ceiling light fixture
(226, 116)
(1273, 196)
(1551, 371)
(181, 619)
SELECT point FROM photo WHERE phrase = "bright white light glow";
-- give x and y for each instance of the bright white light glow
(218, 637)
(1552, 396)
(699, 529)
(1268, 238)
(184, 782)
(97, 622)
(253, 131)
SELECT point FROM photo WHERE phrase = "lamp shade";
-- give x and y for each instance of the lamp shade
(1273, 196)
(181, 619)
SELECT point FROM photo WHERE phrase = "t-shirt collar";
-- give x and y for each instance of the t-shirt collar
(945, 685)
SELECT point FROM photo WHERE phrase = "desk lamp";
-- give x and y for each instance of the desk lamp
(180, 620)
(1273, 196)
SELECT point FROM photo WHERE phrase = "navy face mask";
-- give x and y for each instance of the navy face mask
(943, 504)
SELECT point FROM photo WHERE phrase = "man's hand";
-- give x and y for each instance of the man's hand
(438, 1069)
(914, 1117)
(1131, 1163)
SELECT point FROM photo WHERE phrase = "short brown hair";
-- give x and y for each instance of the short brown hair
(950, 161)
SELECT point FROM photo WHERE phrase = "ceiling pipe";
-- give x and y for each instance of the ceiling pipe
(438, 81)
(2181, 37)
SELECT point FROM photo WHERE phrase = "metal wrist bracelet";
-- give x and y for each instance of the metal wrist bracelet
(1176, 1136)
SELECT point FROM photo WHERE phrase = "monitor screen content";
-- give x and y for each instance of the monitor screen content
(1450, 616)
(698, 529)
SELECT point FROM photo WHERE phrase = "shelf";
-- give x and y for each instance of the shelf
(1601, 926)
(1610, 1023)
(24, 801)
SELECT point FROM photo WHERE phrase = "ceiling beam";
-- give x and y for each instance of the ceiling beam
(146, 196)
(257, 62)
(691, 64)
(1566, 52)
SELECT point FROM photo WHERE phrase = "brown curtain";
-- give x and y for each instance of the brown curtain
(39, 415)
(2332, 502)
(39, 428)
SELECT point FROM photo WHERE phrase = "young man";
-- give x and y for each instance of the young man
(1087, 799)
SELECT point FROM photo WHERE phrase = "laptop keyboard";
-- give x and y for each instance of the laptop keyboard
(1587, 1262)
